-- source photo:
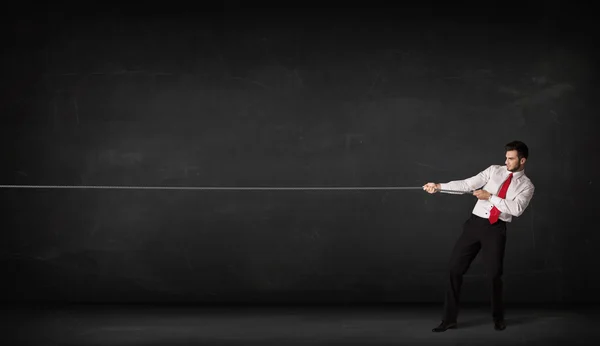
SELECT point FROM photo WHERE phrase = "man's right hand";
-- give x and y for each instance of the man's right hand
(431, 187)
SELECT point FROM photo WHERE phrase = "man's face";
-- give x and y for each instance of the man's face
(512, 162)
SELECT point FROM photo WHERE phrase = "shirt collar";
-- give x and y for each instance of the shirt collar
(516, 175)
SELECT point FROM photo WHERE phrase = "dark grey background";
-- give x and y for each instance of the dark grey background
(323, 96)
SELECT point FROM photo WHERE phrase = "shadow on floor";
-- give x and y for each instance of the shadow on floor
(512, 321)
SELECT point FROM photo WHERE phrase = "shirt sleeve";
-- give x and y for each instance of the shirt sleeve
(517, 206)
(469, 184)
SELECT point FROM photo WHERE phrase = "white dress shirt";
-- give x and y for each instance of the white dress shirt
(519, 193)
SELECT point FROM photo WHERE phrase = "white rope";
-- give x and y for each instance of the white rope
(219, 188)
(108, 187)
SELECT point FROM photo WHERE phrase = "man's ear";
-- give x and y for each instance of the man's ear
(523, 160)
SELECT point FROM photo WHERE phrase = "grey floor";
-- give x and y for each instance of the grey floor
(380, 325)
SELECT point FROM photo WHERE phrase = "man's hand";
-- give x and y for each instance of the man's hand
(431, 187)
(482, 194)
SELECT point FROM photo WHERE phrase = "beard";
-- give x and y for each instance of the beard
(516, 167)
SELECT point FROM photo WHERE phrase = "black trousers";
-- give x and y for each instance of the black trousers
(478, 234)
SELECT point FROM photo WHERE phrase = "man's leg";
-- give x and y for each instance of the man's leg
(465, 250)
(493, 246)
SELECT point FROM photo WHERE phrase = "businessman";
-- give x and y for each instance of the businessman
(503, 192)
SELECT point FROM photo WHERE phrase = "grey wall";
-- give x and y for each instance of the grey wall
(335, 99)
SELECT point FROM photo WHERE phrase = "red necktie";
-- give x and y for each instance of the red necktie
(495, 213)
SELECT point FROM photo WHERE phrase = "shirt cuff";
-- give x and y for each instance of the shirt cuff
(444, 186)
(495, 200)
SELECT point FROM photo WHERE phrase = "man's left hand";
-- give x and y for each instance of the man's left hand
(481, 194)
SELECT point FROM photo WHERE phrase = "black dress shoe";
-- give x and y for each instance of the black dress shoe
(444, 326)
(499, 325)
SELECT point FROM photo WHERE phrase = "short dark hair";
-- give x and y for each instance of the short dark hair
(520, 147)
